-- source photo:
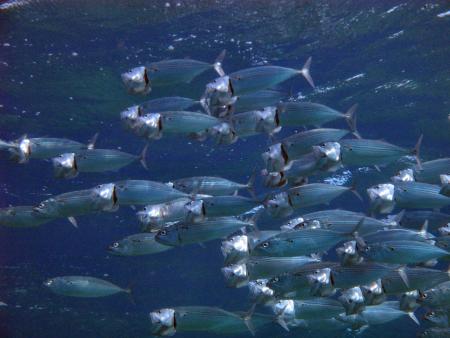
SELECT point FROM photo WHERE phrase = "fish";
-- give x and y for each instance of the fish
(137, 245)
(445, 181)
(301, 242)
(402, 252)
(436, 297)
(210, 185)
(291, 312)
(297, 284)
(408, 301)
(337, 220)
(398, 235)
(69, 165)
(406, 195)
(307, 195)
(294, 114)
(22, 217)
(257, 100)
(416, 218)
(294, 146)
(81, 202)
(83, 287)
(430, 171)
(168, 321)
(24, 149)
(264, 121)
(155, 216)
(378, 314)
(167, 104)
(152, 126)
(222, 133)
(418, 278)
(143, 192)
(263, 77)
(220, 206)
(352, 300)
(365, 152)
(181, 233)
(237, 248)
(238, 275)
(141, 79)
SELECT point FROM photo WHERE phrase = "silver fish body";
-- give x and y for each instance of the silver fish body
(94, 160)
(220, 206)
(208, 185)
(363, 152)
(82, 286)
(315, 194)
(137, 245)
(402, 252)
(168, 321)
(22, 217)
(189, 233)
(143, 192)
(168, 103)
(258, 100)
(263, 267)
(345, 277)
(309, 309)
(430, 171)
(437, 296)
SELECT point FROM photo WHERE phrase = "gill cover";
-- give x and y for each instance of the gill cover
(406, 175)
(275, 158)
(260, 292)
(137, 81)
(352, 300)
(235, 249)
(279, 205)
(105, 197)
(64, 166)
(382, 197)
(236, 275)
(163, 322)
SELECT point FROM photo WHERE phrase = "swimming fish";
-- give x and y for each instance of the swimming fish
(212, 228)
(210, 185)
(69, 165)
(282, 204)
(294, 114)
(301, 242)
(137, 245)
(232, 205)
(263, 77)
(168, 321)
(81, 202)
(436, 297)
(402, 252)
(22, 217)
(257, 100)
(430, 171)
(294, 146)
(141, 80)
(263, 121)
(143, 192)
(26, 148)
(155, 216)
(238, 275)
(365, 152)
(412, 195)
(83, 287)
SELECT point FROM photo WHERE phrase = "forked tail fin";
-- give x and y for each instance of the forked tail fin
(416, 151)
(218, 63)
(350, 117)
(305, 72)
(143, 157)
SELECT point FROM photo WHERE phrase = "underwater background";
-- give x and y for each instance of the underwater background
(60, 65)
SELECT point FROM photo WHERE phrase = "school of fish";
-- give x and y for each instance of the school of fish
(320, 271)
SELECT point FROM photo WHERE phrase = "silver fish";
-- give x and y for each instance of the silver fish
(253, 268)
(69, 165)
(143, 192)
(140, 80)
(83, 286)
(22, 217)
(436, 297)
(256, 122)
(168, 321)
(137, 245)
(210, 185)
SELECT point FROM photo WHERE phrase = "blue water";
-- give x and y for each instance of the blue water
(60, 65)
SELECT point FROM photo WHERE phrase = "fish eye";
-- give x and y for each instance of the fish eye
(116, 245)
(276, 279)
(424, 295)
(163, 232)
(265, 244)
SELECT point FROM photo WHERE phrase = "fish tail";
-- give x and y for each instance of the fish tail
(398, 218)
(143, 157)
(354, 190)
(251, 184)
(413, 317)
(350, 117)
(305, 72)
(248, 320)
(92, 141)
(218, 63)
(6, 145)
(354, 233)
(403, 275)
(416, 151)
(73, 221)
(204, 105)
